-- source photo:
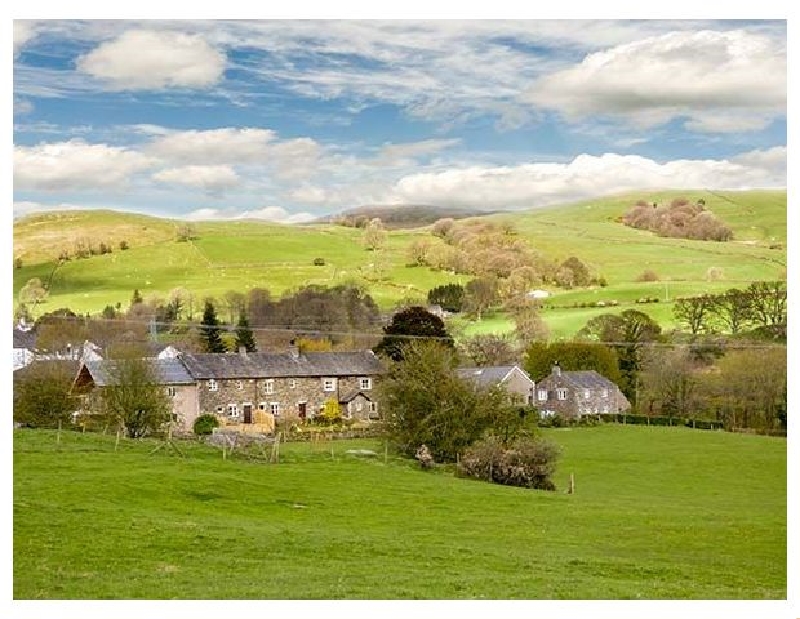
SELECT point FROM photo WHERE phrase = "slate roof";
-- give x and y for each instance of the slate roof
(280, 365)
(587, 379)
(167, 372)
(24, 339)
(488, 376)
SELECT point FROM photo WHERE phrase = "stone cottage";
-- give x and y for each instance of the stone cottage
(571, 394)
(177, 383)
(234, 386)
(516, 382)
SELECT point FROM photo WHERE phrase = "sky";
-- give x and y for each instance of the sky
(289, 120)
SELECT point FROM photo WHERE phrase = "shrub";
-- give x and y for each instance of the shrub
(715, 274)
(205, 424)
(528, 462)
(123, 245)
(17, 263)
(42, 394)
(648, 276)
(319, 262)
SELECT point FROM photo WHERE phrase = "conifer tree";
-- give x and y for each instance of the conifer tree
(244, 334)
(210, 331)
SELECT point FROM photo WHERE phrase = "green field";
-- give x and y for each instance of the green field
(242, 255)
(667, 513)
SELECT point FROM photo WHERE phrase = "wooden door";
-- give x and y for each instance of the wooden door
(301, 410)
(248, 413)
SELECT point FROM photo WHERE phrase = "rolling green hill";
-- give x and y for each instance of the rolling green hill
(243, 254)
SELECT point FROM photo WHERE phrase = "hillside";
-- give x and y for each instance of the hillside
(242, 255)
(403, 216)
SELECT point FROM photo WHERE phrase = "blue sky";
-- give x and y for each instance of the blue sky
(287, 120)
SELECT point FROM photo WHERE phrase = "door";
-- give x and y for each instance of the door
(248, 413)
(301, 410)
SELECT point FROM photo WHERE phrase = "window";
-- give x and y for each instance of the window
(212, 385)
(542, 395)
(605, 408)
(605, 393)
(292, 383)
(545, 414)
(171, 392)
(239, 385)
(359, 405)
(587, 394)
(262, 406)
(373, 410)
(275, 408)
(329, 384)
(349, 411)
(220, 410)
(269, 386)
(233, 411)
(561, 394)
(366, 383)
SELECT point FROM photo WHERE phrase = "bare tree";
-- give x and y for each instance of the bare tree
(374, 235)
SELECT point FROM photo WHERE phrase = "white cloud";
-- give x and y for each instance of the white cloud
(680, 74)
(274, 214)
(408, 151)
(75, 165)
(210, 178)
(540, 184)
(27, 207)
(151, 59)
(24, 31)
(22, 106)
(224, 145)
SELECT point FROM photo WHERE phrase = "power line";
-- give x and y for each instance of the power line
(306, 331)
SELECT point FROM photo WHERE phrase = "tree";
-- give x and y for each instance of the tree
(628, 332)
(442, 227)
(732, 309)
(134, 399)
(374, 235)
(136, 298)
(244, 334)
(669, 381)
(449, 296)
(408, 324)
(580, 272)
(17, 263)
(490, 349)
(427, 403)
(42, 394)
(480, 294)
(768, 303)
(529, 326)
(418, 252)
(209, 331)
(235, 302)
(695, 312)
(32, 292)
(186, 232)
(540, 357)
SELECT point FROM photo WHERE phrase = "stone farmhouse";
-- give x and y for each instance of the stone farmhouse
(512, 378)
(258, 387)
(573, 394)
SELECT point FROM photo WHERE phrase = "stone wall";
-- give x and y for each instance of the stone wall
(576, 402)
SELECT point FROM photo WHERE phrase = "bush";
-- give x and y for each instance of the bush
(123, 245)
(42, 394)
(17, 263)
(528, 462)
(319, 262)
(205, 424)
(648, 276)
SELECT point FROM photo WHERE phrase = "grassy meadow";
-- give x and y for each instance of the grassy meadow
(241, 255)
(658, 513)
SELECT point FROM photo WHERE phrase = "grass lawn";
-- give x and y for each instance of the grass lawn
(658, 513)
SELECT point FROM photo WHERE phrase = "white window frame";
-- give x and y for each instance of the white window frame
(275, 408)
(605, 392)
(213, 385)
(587, 393)
(269, 386)
(233, 411)
(239, 385)
(542, 392)
(365, 384)
(292, 383)
(262, 406)
(605, 408)
(349, 411)
(171, 392)
(220, 410)
(373, 408)
(561, 393)
(359, 406)
(329, 384)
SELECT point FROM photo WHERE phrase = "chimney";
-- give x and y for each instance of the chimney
(556, 369)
